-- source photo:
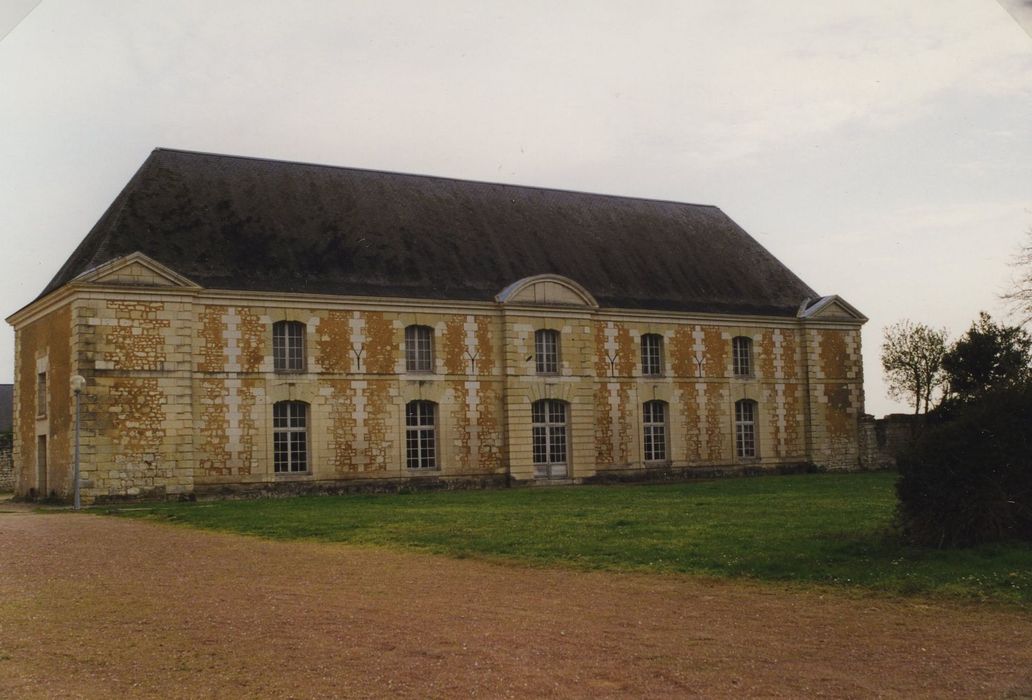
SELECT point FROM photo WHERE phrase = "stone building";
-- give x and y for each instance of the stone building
(246, 324)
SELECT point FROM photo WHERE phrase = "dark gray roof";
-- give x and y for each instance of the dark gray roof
(6, 407)
(229, 222)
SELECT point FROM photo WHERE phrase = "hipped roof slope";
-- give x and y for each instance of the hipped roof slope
(229, 222)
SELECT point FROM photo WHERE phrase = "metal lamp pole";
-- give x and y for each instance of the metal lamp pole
(78, 382)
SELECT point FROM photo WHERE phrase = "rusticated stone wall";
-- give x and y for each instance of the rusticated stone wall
(181, 389)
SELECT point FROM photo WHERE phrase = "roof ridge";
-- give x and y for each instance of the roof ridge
(467, 181)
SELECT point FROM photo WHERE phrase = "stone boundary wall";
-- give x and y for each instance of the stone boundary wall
(882, 439)
(6, 469)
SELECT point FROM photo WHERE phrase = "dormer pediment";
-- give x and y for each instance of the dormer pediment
(546, 290)
(830, 308)
(135, 270)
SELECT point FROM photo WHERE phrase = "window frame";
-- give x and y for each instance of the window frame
(419, 349)
(653, 428)
(289, 347)
(547, 360)
(550, 421)
(421, 436)
(742, 356)
(746, 433)
(652, 357)
(288, 431)
(41, 395)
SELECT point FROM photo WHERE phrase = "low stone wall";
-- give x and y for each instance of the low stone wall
(6, 469)
(882, 439)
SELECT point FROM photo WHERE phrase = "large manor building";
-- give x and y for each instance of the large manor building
(247, 324)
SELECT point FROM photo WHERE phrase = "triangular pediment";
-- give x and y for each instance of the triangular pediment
(135, 270)
(830, 308)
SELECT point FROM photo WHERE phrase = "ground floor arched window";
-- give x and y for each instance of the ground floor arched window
(548, 419)
(654, 419)
(745, 428)
(421, 435)
(290, 437)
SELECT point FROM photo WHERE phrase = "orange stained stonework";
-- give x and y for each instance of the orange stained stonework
(252, 339)
(136, 341)
(485, 346)
(50, 337)
(333, 342)
(715, 420)
(249, 433)
(343, 424)
(834, 358)
(603, 425)
(381, 349)
(212, 429)
(136, 421)
(690, 427)
(460, 417)
(838, 409)
(379, 429)
(213, 350)
(453, 345)
(627, 356)
(490, 450)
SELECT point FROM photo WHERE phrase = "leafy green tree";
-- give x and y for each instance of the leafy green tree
(912, 359)
(989, 356)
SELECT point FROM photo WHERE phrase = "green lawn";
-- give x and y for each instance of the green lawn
(829, 529)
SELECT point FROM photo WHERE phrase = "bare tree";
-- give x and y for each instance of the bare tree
(1020, 296)
(912, 356)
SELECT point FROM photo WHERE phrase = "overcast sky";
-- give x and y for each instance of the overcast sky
(882, 150)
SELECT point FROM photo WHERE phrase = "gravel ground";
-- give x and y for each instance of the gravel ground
(101, 607)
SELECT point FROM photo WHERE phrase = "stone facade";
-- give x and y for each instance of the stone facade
(181, 387)
(6, 469)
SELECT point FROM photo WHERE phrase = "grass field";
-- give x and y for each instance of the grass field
(830, 529)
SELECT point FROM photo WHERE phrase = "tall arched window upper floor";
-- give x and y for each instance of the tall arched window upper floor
(652, 355)
(742, 356)
(546, 351)
(288, 346)
(419, 349)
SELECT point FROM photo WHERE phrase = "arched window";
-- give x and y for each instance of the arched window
(421, 435)
(745, 428)
(654, 415)
(288, 346)
(290, 437)
(651, 355)
(419, 349)
(548, 421)
(546, 351)
(741, 356)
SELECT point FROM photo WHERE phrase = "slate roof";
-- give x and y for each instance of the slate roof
(229, 222)
(6, 407)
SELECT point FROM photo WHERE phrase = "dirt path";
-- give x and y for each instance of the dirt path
(100, 607)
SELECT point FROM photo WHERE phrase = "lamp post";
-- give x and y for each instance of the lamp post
(78, 383)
